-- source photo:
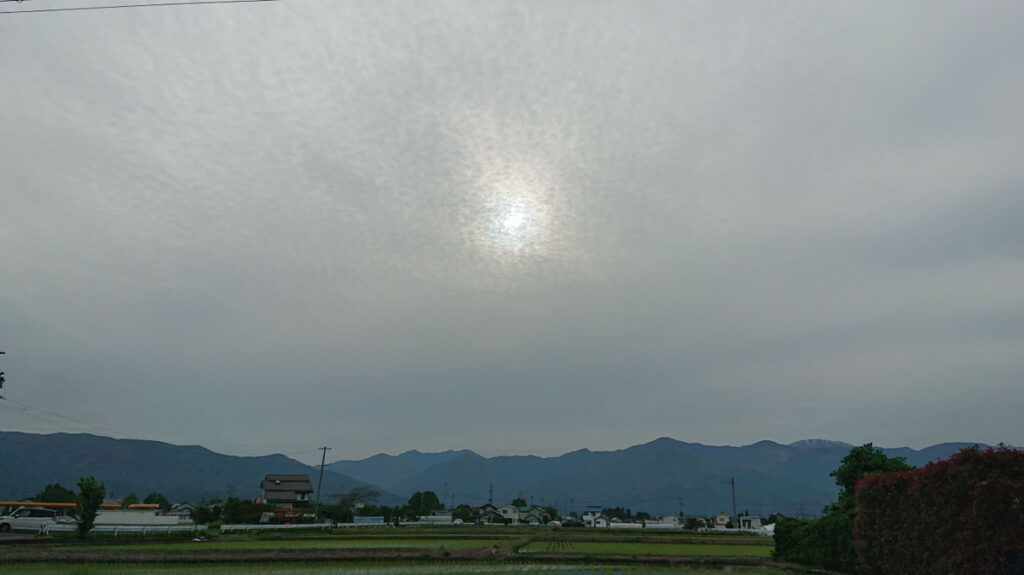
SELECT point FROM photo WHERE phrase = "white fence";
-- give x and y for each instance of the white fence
(355, 525)
(271, 527)
(115, 529)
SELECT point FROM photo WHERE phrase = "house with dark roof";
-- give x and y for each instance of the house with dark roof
(486, 513)
(287, 491)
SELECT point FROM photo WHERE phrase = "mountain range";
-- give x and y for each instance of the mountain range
(179, 472)
(658, 477)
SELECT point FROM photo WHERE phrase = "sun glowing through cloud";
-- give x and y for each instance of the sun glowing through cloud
(520, 208)
(515, 222)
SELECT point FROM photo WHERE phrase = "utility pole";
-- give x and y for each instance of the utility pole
(732, 480)
(319, 483)
(2, 373)
(490, 494)
(680, 508)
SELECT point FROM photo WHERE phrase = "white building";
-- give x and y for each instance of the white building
(751, 523)
(509, 512)
(720, 520)
(590, 518)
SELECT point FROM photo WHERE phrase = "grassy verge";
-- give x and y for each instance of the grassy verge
(393, 568)
(633, 548)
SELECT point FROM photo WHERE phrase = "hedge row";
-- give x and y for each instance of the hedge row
(824, 543)
(961, 515)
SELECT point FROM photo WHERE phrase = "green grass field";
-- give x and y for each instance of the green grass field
(631, 548)
(397, 552)
(319, 543)
(371, 569)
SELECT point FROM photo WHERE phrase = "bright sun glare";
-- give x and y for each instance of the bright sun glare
(514, 222)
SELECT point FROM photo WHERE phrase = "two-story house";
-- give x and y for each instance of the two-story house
(287, 491)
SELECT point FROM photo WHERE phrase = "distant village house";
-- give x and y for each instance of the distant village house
(287, 491)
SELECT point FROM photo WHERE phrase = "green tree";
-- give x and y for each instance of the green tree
(343, 509)
(90, 497)
(128, 500)
(158, 499)
(207, 512)
(422, 503)
(463, 512)
(242, 511)
(518, 502)
(550, 514)
(381, 510)
(859, 463)
(56, 493)
(828, 542)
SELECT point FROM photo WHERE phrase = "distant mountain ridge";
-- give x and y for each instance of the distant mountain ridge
(382, 469)
(658, 477)
(180, 473)
(654, 477)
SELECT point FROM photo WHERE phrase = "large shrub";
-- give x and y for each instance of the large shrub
(961, 515)
(825, 542)
(828, 542)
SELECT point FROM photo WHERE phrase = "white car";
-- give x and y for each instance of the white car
(28, 519)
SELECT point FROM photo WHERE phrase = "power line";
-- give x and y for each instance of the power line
(28, 409)
(115, 6)
(62, 422)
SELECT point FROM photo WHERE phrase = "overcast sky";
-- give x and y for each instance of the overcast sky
(524, 227)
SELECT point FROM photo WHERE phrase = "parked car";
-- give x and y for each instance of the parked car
(28, 519)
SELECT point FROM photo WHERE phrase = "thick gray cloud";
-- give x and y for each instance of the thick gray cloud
(514, 227)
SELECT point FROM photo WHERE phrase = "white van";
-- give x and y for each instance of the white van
(28, 519)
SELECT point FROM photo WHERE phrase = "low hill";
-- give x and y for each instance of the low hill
(386, 470)
(179, 472)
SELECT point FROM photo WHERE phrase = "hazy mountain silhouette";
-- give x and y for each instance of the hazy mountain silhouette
(179, 472)
(387, 470)
(653, 477)
(770, 477)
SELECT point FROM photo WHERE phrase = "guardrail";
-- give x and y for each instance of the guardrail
(115, 529)
(273, 527)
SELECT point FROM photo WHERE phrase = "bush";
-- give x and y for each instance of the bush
(962, 515)
(90, 498)
(828, 542)
(824, 542)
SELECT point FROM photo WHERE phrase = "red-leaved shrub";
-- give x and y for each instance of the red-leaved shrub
(961, 515)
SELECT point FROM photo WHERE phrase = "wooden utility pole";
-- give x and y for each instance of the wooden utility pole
(319, 483)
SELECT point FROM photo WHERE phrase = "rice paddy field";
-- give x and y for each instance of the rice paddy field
(318, 543)
(399, 552)
(452, 568)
